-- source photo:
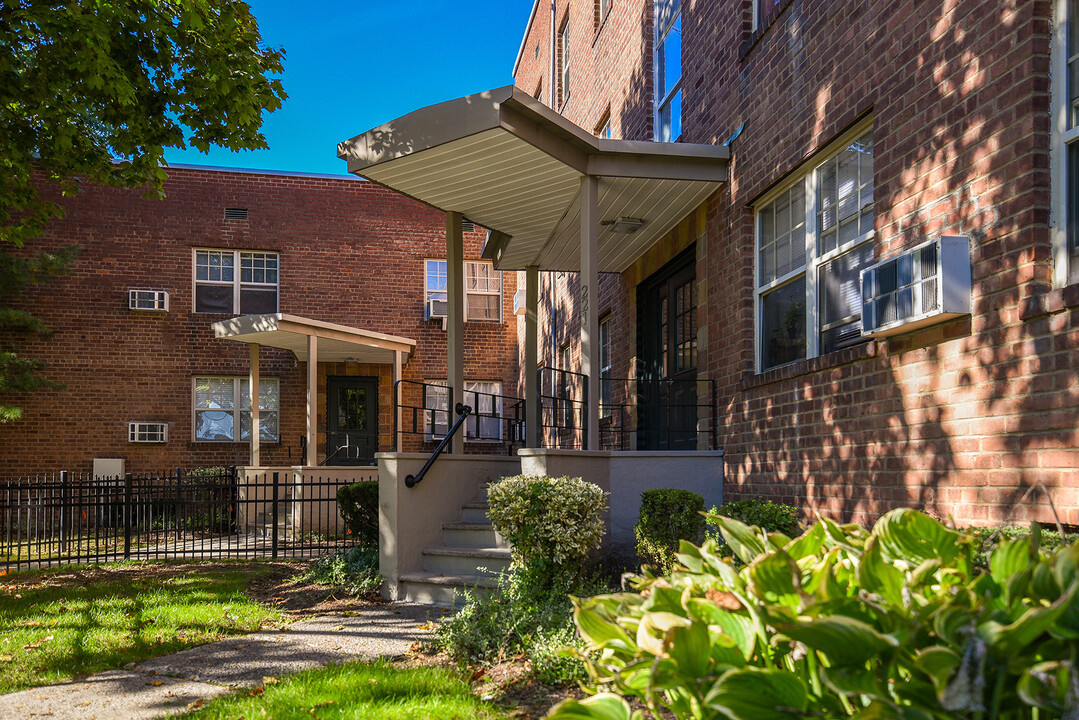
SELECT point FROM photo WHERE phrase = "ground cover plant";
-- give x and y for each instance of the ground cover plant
(553, 525)
(65, 622)
(896, 623)
(358, 691)
(355, 570)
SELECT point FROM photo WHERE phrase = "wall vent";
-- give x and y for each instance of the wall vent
(148, 432)
(467, 226)
(927, 284)
(148, 300)
(235, 213)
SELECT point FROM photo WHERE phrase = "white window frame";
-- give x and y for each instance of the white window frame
(668, 12)
(1063, 136)
(237, 270)
(757, 15)
(606, 409)
(493, 274)
(485, 388)
(602, 8)
(814, 260)
(237, 410)
(563, 64)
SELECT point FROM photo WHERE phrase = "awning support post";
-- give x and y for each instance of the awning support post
(532, 399)
(455, 325)
(253, 388)
(589, 310)
(312, 400)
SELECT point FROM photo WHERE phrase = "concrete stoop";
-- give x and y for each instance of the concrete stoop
(471, 557)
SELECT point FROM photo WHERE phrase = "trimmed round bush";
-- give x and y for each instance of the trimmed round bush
(552, 523)
(358, 504)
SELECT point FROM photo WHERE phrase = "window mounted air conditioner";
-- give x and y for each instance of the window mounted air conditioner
(148, 432)
(148, 300)
(437, 309)
(927, 284)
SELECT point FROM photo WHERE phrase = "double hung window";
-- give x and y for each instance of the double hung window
(668, 64)
(222, 409)
(483, 289)
(236, 281)
(1065, 172)
(813, 237)
(485, 399)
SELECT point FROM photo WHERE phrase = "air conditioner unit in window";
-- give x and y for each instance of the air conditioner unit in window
(437, 309)
(148, 300)
(927, 284)
(147, 432)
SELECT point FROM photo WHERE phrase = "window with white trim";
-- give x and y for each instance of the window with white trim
(761, 10)
(1065, 114)
(483, 423)
(602, 7)
(236, 281)
(483, 289)
(565, 387)
(813, 237)
(563, 64)
(221, 409)
(668, 63)
(605, 409)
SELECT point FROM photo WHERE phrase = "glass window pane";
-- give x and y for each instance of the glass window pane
(783, 326)
(258, 300)
(213, 393)
(213, 298)
(213, 425)
(670, 58)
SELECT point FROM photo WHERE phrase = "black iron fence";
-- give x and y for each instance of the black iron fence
(67, 518)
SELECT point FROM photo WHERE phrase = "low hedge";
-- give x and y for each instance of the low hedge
(358, 504)
(667, 517)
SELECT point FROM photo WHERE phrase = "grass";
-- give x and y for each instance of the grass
(61, 623)
(357, 691)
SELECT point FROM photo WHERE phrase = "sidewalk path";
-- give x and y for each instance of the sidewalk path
(168, 685)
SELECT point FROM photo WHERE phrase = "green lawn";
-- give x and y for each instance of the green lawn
(65, 622)
(357, 691)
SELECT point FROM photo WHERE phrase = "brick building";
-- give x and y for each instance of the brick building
(857, 132)
(227, 243)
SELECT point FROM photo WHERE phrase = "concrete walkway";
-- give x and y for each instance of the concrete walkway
(172, 684)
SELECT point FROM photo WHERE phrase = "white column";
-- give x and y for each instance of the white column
(253, 387)
(312, 400)
(532, 395)
(589, 299)
(396, 403)
(455, 325)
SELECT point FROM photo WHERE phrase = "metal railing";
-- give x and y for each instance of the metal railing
(494, 425)
(463, 411)
(66, 518)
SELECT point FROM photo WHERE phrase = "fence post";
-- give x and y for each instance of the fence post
(273, 531)
(176, 503)
(63, 510)
(128, 501)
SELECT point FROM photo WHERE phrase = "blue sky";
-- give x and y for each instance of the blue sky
(351, 66)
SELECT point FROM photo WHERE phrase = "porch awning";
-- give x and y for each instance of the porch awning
(511, 164)
(336, 343)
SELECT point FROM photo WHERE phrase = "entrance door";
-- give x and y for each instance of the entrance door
(667, 352)
(351, 420)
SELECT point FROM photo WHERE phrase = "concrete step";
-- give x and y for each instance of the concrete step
(474, 535)
(466, 560)
(475, 512)
(441, 590)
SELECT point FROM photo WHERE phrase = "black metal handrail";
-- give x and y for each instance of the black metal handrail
(463, 412)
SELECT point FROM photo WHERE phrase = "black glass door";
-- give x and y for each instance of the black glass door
(667, 358)
(351, 420)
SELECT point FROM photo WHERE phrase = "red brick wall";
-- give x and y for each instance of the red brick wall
(962, 418)
(351, 252)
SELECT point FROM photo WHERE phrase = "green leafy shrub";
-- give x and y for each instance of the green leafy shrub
(896, 623)
(667, 517)
(990, 537)
(551, 523)
(355, 570)
(765, 514)
(358, 504)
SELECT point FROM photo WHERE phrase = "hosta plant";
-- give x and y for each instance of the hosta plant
(893, 623)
